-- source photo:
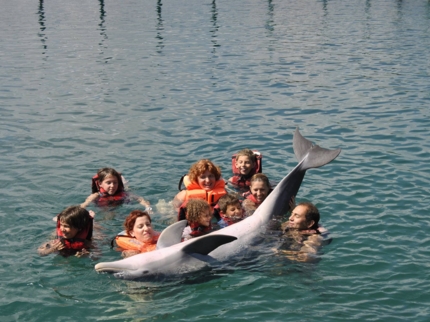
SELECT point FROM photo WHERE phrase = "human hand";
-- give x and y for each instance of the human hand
(81, 253)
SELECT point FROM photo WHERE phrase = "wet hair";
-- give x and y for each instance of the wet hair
(131, 220)
(102, 174)
(195, 207)
(227, 200)
(246, 153)
(75, 216)
(200, 167)
(260, 177)
(312, 213)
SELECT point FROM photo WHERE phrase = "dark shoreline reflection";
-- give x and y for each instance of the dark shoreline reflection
(102, 21)
(215, 28)
(41, 33)
(159, 28)
(270, 24)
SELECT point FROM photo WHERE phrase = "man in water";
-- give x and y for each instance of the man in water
(302, 236)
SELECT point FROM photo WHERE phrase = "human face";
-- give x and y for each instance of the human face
(244, 164)
(234, 211)
(298, 219)
(142, 229)
(110, 184)
(205, 218)
(67, 230)
(259, 190)
(206, 180)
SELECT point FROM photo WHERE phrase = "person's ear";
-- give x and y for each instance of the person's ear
(311, 223)
(131, 234)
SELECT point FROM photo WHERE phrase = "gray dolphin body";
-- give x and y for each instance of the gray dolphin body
(173, 257)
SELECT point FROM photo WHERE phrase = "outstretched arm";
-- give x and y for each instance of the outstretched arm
(90, 199)
(50, 247)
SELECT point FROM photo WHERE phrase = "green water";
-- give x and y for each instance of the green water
(150, 87)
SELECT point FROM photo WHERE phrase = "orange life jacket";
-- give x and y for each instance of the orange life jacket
(127, 242)
(211, 197)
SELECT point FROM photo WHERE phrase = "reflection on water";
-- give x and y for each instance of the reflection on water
(41, 34)
(159, 28)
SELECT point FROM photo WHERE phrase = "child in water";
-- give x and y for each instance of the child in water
(73, 234)
(259, 190)
(108, 190)
(231, 210)
(245, 164)
(141, 237)
(199, 216)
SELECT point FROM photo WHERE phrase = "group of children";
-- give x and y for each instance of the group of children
(204, 200)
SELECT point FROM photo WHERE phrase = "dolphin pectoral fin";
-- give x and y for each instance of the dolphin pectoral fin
(313, 156)
(205, 244)
(171, 235)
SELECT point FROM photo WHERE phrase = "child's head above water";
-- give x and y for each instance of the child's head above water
(72, 220)
(138, 224)
(245, 161)
(107, 180)
(259, 186)
(230, 206)
(199, 211)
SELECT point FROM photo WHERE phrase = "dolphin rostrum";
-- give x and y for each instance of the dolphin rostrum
(173, 257)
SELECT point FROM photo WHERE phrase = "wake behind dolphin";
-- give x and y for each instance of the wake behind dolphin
(173, 257)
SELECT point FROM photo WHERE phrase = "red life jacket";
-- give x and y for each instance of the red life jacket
(106, 199)
(198, 230)
(77, 242)
(242, 181)
(228, 220)
(248, 195)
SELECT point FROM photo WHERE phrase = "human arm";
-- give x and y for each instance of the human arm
(129, 253)
(92, 197)
(50, 247)
(179, 200)
(307, 253)
(249, 207)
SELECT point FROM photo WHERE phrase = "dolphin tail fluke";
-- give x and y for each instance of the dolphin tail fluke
(205, 244)
(313, 156)
(171, 235)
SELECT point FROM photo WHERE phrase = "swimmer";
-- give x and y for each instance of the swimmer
(231, 210)
(203, 181)
(199, 216)
(302, 235)
(140, 236)
(259, 189)
(245, 164)
(73, 234)
(108, 190)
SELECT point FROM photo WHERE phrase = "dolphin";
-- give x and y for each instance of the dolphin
(173, 257)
